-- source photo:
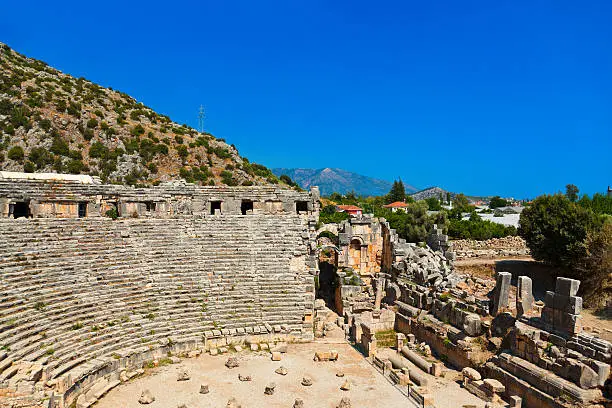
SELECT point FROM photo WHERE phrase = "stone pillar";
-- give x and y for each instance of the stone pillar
(524, 296)
(400, 339)
(501, 292)
(380, 284)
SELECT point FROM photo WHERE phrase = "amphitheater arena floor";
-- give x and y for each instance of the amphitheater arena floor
(368, 387)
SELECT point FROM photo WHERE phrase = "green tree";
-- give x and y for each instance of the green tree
(497, 202)
(571, 192)
(397, 192)
(433, 204)
(462, 204)
(556, 228)
(595, 271)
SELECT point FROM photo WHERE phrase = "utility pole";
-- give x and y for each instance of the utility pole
(201, 116)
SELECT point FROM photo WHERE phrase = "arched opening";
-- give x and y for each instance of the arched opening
(328, 265)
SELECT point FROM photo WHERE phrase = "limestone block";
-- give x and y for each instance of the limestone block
(501, 292)
(276, 356)
(567, 286)
(471, 373)
(524, 298)
(493, 385)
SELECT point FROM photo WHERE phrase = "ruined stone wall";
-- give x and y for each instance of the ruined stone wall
(81, 298)
(55, 199)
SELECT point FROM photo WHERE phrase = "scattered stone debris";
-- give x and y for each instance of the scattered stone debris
(298, 403)
(204, 389)
(307, 381)
(244, 377)
(340, 374)
(345, 402)
(232, 362)
(346, 386)
(276, 356)
(182, 406)
(146, 397)
(269, 390)
(183, 375)
(232, 403)
(281, 370)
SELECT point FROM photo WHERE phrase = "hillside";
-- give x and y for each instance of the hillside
(429, 192)
(332, 180)
(53, 122)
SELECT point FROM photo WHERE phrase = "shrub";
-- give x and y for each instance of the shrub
(178, 139)
(59, 146)
(45, 124)
(29, 167)
(182, 151)
(16, 153)
(137, 130)
(92, 123)
(75, 166)
(112, 213)
(40, 157)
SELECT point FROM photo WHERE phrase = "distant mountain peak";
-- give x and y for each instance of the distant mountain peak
(337, 180)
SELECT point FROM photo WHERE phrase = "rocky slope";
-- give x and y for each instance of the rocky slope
(53, 122)
(339, 181)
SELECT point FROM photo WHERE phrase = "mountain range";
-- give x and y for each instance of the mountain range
(332, 180)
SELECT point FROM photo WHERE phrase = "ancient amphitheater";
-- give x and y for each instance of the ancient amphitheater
(106, 287)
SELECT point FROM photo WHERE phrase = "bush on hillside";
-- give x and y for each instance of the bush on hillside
(16, 153)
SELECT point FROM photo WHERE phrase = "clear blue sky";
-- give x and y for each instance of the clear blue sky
(482, 97)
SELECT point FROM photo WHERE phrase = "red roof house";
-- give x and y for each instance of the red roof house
(350, 209)
(398, 205)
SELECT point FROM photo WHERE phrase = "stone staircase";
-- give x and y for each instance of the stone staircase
(79, 294)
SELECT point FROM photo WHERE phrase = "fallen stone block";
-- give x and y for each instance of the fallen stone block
(331, 355)
(146, 397)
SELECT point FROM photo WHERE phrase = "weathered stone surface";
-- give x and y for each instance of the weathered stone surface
(204, 389)
(471, 373)
(232, 403)
(146, 397)
(183, 375)
(281, 370)
(298, 403)
(276, 356)
(501, 292)
(269, 390)
(345, 402)
(346, 386)
(567, 286)
(244, 377)
(524, 295)
(307, 381)
(331, 355)
(232, 362)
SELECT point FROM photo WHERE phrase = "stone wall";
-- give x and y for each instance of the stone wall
(490, 248)
(61, 199)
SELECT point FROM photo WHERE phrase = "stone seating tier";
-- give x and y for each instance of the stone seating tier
(78, 293)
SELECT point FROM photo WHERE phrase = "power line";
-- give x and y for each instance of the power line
(201, 116)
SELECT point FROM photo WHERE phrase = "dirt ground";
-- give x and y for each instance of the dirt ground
(368, 387)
